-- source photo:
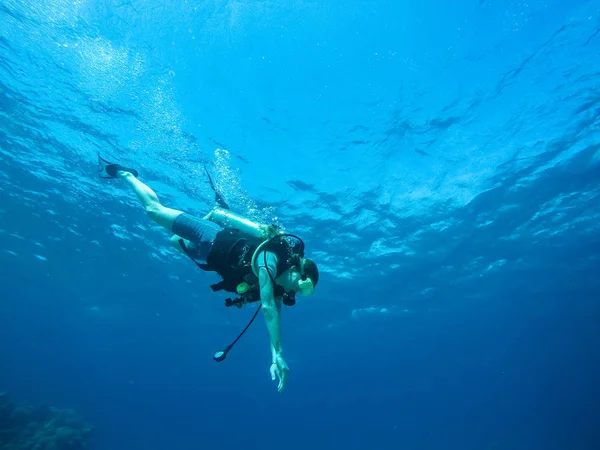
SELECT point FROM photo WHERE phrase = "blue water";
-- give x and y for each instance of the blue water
(441, 161)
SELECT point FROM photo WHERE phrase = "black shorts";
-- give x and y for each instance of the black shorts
(201, 234)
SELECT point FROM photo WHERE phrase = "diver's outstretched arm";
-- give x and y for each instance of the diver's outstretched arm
(271, 312)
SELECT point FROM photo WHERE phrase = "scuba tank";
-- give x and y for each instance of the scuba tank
(228, 219)
(222, 215)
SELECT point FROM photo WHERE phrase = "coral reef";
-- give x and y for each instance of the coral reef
(40, 427)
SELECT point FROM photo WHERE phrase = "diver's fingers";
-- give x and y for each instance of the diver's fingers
(282, 380)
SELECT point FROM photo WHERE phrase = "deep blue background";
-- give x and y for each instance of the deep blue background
(440, 161)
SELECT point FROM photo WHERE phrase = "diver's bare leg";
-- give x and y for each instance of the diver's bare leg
(158, 213)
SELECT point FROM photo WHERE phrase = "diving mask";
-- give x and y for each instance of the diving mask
(306, 286)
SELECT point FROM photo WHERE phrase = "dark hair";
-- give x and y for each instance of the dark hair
(311, 271)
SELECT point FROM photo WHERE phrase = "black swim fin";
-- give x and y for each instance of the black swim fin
(109, 170)
(219, 199)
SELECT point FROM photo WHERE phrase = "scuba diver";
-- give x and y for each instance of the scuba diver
(258, 263)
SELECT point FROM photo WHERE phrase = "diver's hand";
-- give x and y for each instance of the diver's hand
(279, 370)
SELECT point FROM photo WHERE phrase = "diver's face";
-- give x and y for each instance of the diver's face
(289, 280)
(294, 282)
(294, 278)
